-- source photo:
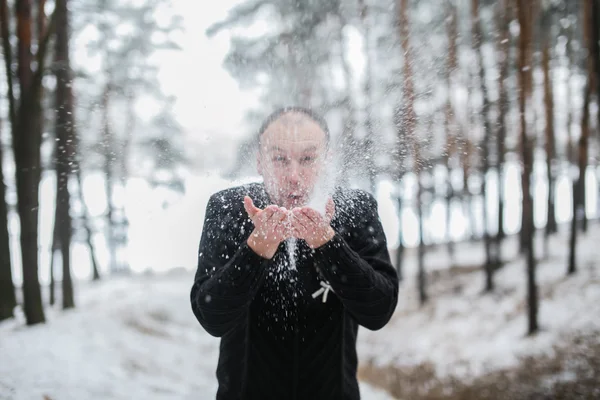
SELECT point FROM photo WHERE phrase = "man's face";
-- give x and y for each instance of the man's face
(291, 157)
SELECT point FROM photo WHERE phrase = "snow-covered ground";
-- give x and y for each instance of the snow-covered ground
(464, 333)
(128, 338)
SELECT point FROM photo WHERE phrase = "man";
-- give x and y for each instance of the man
(284, 286)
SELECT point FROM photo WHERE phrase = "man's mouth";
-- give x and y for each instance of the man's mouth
(295, 198)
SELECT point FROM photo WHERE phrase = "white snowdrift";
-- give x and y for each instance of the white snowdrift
(136, 338)
(129, 338)
(465, 333)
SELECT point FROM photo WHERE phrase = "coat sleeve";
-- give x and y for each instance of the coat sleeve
(229, 272)
(361, 273)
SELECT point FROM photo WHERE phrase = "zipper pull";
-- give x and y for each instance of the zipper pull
(325, 289)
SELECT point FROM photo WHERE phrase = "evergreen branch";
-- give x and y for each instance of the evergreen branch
(235, 15)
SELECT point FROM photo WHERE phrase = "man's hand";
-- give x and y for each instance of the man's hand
(269, 228)
(310, 225)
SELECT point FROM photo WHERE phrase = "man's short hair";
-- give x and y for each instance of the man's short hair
(275, 115)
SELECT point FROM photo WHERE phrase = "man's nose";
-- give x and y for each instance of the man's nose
(294, 172)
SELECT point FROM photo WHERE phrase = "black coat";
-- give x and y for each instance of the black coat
(277, 340)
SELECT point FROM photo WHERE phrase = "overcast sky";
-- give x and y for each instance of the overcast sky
(208, 98)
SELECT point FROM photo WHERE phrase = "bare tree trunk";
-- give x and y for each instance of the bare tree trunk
(85, 214)
(525, 12)
(40, 30)
(579, 185)
(590, 15)
(8, 62)
(64, 156)
(370, 134)
(572, 267)
(86, 224)
(8, 299)
(349, 123)
(26, 142)
(469, 166)
(399, 159)
(41, 19)
(109, 150)
(569, 50)
(551, 226)
(120, 220)
(467, 196)
(400, 250)
(451, 67)
(53, 249)
(421, 279)
(595, 55)
(449, 240)
(477, 38)
(595, 47)
(26, 139)
(583, 202)
(504, 47)
(409, 125)
(130, 127)
(465, 151)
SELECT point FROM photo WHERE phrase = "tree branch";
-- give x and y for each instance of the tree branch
(7, 60)
(237, 14)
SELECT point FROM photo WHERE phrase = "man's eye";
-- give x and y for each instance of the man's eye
(307, 159)
(280, 159)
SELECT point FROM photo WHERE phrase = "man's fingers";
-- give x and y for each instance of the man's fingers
(278, 217)
(251, 209)
(313, 215)
(300, 232)
(299, 218)
(302, 224)
(284, 231)
(279, 220)
(275, 226)
(266, 214)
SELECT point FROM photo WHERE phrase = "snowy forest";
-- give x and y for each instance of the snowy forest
(474, 123)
